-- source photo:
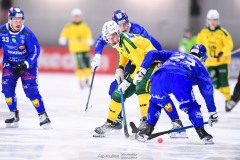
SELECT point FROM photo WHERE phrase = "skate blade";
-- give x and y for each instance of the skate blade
(12, 125)
(47, 126)
(179, 135)
(99, 135)
(110, 133)
(208, 141)
(132, 137)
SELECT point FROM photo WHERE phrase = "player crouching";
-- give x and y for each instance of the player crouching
(179, 73)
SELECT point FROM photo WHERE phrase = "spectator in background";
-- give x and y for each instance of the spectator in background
(187, 41)
(219, 45)
(78, 36)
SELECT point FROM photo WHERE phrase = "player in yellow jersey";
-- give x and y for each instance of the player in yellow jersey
(79, 38)
(130, 47)
(219, 45)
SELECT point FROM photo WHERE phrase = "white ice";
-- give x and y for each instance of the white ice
(71, 137)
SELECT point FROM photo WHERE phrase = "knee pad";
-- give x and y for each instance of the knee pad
(169, 104)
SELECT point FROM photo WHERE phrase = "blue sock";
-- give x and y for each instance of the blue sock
(154, 112)
(195, 115)
(11, 102)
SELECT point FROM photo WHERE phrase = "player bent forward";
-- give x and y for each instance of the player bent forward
(179, 73)
(130, 47)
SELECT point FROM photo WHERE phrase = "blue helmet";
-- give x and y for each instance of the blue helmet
(200, 51)
(15, 12)
(120, 16)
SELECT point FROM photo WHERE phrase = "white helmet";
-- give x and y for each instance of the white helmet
(109, 28)
(76, 12)
(213, 14)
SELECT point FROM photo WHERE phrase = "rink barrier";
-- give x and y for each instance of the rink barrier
(58, 59)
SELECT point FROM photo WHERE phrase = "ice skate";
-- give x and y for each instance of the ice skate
(108, 128)
(204, 136)
(142, 123)
(177, 123)
(144, 133)
(81, 85)
(12, 122)
(230, 105)
(45, 122)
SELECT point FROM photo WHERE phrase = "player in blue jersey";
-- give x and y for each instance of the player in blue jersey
(121, 18)
(179, 73)
(20, 53)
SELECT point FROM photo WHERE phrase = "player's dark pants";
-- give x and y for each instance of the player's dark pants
(236, 92)
(181, 87)
(30, 85)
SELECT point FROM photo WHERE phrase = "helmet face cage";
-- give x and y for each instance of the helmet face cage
(15, 12)
(120, 17)
(200, 51)
(109, 28)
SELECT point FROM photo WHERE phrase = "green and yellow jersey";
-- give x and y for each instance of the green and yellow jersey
(133, 47)
(78, 35)
(216, 41)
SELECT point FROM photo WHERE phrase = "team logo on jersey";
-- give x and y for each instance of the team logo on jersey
(11, 47)
(35, 102)
(168, 107)
(9, 100)
(22, 47)
(14, 39)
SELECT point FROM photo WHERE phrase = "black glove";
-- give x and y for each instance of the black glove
(219, 55)
(19, 69)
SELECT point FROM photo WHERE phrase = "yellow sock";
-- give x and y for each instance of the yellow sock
(88, 73)
(79, 74)
(143, 100)
(114, 110)
(226, 92)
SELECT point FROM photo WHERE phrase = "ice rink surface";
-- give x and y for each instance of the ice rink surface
(71, 137)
